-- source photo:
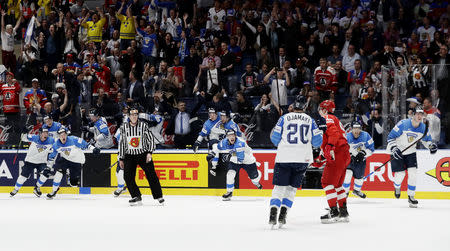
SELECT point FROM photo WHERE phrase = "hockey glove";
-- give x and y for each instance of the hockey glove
(322, 124)
(396, 153)
(433, 148)
(96, 150)
(316, 152)
(360, 156)
(329, 152)
(47, 172)
(196, 145)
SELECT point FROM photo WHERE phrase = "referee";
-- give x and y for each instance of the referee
(135, 148)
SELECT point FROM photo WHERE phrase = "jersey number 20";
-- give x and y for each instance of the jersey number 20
(292, 136)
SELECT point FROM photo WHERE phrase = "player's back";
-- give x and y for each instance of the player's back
(335, 133)
(294, 135)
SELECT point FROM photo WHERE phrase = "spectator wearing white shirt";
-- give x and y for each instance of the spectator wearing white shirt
(172, 24)
(348, 61)
(7, 35)
(279, 86)
(426, 32)
(215, 15)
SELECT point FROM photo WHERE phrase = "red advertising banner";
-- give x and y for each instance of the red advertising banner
(381, 180)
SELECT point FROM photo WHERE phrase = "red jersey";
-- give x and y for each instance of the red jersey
(335, 133)
(325, 80)
(103, 79)
(10, 95)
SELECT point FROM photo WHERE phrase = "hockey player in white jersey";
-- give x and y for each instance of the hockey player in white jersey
(67, 154)
(361, 147)
(405, 133)
(41, 146)
(240, 155)
(295, 134)
(102, 135)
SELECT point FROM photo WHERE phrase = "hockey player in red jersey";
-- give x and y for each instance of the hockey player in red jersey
(336, 152)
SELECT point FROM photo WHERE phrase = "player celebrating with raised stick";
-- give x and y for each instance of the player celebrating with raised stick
(405, 133)
(336, 152)
(361, 147)
(136, 147)
(294, 135)
(41, 146)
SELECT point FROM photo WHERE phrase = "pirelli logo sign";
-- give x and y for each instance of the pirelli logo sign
(173, 170)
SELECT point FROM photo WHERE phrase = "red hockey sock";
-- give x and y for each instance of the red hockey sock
(331, 195)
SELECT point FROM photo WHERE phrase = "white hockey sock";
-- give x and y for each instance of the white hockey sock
(57, 180)
(20, 180)
(289, 196)
(42, 179)
(120, 179)
(412, 179)
(278, 193)
(358, 184)
(256, 180)
(231, 174)
(347, 180)
(398, 179)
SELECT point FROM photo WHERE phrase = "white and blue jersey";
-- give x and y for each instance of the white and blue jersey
(102, 135)
(52, 130)
(72, 150)
(363, 143)
(294, 135)
(38, 150)
(404, 134)
(240, 152)
(156, 130)
(213, 129)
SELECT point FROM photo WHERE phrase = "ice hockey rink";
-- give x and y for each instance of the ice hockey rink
(102, 222)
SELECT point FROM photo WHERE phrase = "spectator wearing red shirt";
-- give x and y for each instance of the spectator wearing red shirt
(325, 79)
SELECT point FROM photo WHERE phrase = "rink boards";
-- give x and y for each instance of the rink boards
(183, 173)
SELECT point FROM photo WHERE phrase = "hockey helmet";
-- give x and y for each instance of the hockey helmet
(47, 117)
(327, 105)
(63, 129)
(300, 103)
(230, 132)
(211, 110)
(419, 109)
(225, 113)
(42, 129)
(356, 124)
(93, 112)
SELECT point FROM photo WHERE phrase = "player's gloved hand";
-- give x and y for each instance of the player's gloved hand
(396, 153)
(96, 150)
(322, 124)
(196, 145)
(360, 156)
(433, 148)
(316, 152)
(329, 152)
(47, 172)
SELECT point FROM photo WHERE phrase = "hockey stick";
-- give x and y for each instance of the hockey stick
(20, 142)
(390, 158)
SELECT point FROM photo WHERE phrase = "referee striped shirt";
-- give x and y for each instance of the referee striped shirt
(135, 140)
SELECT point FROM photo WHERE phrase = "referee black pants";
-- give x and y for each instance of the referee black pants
(130, 166)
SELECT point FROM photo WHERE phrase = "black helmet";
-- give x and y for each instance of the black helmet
(225, 113)
(93, 112)
(356, 124)
(300, 103)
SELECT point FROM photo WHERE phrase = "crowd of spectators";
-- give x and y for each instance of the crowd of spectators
(176, 58)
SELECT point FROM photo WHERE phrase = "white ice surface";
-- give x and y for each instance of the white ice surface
(101, 222)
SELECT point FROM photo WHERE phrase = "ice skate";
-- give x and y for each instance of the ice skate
(359, 194)
(37, 191)
(52, 195)
(412, 202)
(119, 191)
(259, 186)
(227, 196)
(136, 201)
(161, 201)
(397, 193)
(282, 216)
(273, 217)
(331, 216)
(13, 192)
(343, 214)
